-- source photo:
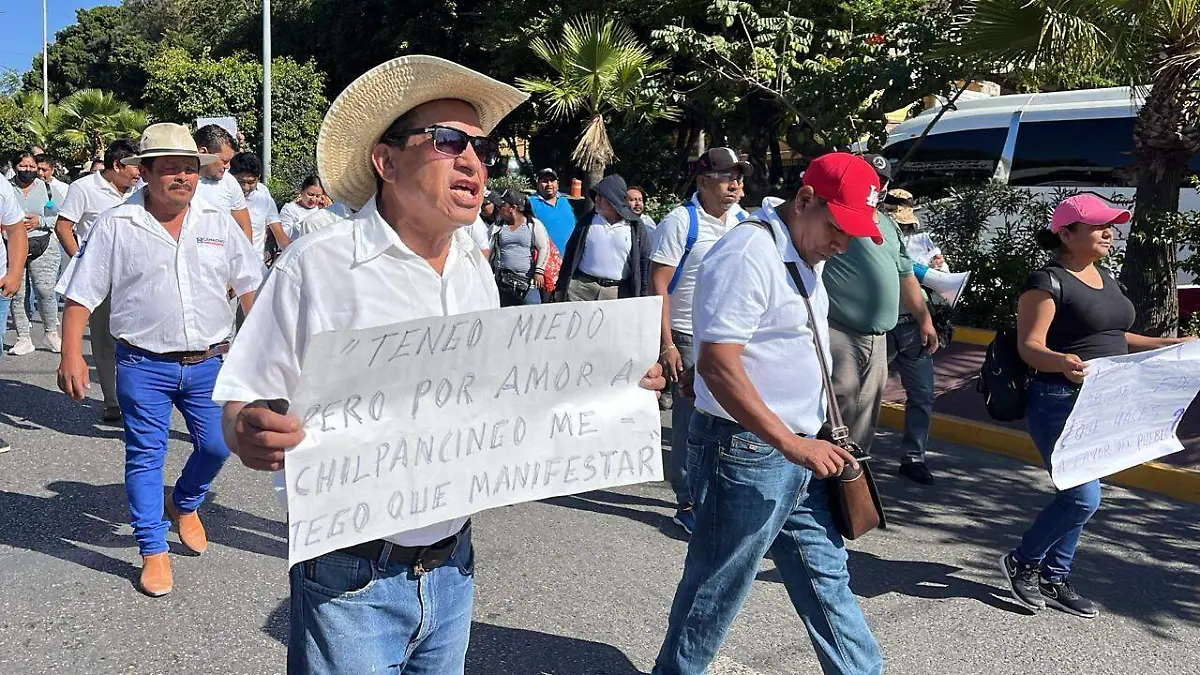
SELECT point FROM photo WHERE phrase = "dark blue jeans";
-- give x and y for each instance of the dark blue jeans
(915, 367)
(750, 501)
(353, 615)
(147, 388)
(1050, 543)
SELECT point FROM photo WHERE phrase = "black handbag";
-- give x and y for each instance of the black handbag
(37, 246)
(512, 283)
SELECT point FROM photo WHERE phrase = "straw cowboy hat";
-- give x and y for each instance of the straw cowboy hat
(168, 140)
(371, 103)
(899, 204)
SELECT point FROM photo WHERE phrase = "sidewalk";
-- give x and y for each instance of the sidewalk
(960, 416)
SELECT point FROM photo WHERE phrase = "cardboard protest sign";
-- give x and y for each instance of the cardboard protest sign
(1126, 413)
(429, 420)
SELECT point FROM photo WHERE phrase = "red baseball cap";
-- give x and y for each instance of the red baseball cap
(850, 186)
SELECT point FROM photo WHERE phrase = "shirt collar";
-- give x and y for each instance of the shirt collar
(373, 236)
(730, 213)
(783, 238)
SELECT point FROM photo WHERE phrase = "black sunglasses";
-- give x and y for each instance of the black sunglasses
(450, 141)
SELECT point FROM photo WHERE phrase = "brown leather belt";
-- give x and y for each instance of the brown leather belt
(185, 358)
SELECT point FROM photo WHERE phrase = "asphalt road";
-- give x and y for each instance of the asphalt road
(571, 586)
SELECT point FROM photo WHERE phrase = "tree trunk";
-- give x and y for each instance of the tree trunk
(1148, 272)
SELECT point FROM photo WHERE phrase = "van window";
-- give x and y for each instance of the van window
(952, 158)
(1075, 152)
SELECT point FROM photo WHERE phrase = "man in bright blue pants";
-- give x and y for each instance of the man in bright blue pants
(167, 260)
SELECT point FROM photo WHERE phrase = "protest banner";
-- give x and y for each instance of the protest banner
(1126, 413)
(425, 421)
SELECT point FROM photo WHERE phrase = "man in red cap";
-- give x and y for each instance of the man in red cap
(756, 477)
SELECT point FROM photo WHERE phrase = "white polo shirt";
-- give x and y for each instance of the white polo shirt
(670, 240)
(223, 192)
(606, 253)
(292, 215)
(167, 295)
(745, 296)
(86, 199)
(352, 274)
(263, 212)
(11, 213)
(479, 233)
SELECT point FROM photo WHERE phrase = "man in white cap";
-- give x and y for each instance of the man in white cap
(682, 240)
(406, 145)
(167, 262)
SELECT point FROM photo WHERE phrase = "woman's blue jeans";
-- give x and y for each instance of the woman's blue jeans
(1050, 543)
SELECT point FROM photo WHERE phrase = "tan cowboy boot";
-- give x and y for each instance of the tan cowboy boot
(191, 530)
(156, 574)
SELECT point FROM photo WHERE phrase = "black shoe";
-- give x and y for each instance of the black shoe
(1062, 596)
(4, 446)
(111, 414)
(1023, 581)
(916, 471)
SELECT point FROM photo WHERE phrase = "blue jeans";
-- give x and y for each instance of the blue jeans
(915, 367)
(350, 615)
(147, 387)
(681, 417)
(1051, 541)
(5, 304)
(749, 501)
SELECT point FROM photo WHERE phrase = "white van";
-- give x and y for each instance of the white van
(1080, 139)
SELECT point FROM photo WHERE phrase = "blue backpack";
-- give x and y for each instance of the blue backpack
(692, 235)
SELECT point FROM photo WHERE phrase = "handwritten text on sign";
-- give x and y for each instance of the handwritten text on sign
(1126, 413)
(430, 420)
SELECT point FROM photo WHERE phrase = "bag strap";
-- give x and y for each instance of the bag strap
(840, 432)
(693, 234)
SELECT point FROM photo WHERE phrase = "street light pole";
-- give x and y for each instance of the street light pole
(266, 130)
(45, 67)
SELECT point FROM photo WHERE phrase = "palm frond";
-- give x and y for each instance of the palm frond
(594, 150)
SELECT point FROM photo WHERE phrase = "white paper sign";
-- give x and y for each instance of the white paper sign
(1126, 413)
(425, 421)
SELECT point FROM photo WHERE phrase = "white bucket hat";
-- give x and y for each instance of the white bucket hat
(371, 103)
(168, 140)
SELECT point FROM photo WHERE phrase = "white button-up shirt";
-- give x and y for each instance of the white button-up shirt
(167, 295)
(606, 253)
(86, 199)
(223, 192)
(352, 274)
(11, 213)
(263, 212)
(292, 215)
(745, 296)
(670, 241)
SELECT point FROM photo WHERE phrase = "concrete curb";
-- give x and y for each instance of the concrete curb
(1170, 481)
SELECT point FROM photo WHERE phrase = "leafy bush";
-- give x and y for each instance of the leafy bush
(514, 179)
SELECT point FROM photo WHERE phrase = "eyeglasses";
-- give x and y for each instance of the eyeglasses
(450, 141)
(727, 175)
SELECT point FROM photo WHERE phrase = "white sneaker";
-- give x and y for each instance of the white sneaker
(24, 346)
(55, 341)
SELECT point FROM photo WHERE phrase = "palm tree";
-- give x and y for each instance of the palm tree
(1143, 41)
(91, 118)
(602, 70)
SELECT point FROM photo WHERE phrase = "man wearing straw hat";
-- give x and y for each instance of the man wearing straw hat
(405, 145)
(167, 260)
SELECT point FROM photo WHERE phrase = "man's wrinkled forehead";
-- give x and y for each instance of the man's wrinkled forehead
(439, 111)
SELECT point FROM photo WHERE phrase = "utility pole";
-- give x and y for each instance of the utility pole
(266, 121)
(45, 67)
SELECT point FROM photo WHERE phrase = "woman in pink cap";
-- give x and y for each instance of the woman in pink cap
(1070, 311)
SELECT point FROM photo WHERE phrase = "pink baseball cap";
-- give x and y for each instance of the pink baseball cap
(1087, 209)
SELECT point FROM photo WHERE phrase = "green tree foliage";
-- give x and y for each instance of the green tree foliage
(1146, 41)
(601, 71)
(183, 87)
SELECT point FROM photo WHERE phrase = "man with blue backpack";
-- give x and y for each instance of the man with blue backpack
(682, 240)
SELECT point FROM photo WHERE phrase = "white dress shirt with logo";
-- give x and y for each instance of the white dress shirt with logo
(11, 213)
(670, 240)
(352, 274)
(223, 192)
(606, 253)
(292, 216)
(167, 295)
(263, 212)
(746, 296)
